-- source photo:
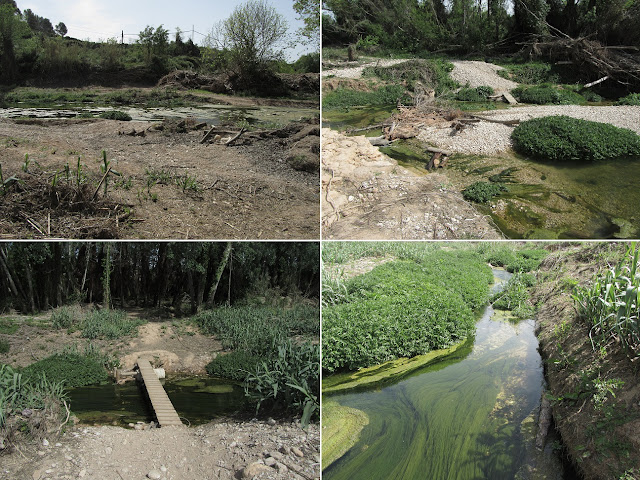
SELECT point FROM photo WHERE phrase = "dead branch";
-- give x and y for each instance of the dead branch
(242, 130)
(207, 135)
(95, 194)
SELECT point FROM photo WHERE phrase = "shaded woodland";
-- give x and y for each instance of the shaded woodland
(182, 277)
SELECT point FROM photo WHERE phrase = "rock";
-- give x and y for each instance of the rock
(297, 452)
(45, 443)
(82, 473)
(58, 444)
(270, 461)
(281, 467)
(254, 469)
(233, 444)
(163, 469)
(285, 449)
(108, 450)
(154, 475)
(271, 421)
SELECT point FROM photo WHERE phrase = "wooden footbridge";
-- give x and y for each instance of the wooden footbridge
(165, 412)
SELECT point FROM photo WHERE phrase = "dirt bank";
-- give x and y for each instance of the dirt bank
(366, 195)
(171, 185)
(602, 436)
(224, 449)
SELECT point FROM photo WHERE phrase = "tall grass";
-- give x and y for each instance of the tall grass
(109, 324)
(611, 305)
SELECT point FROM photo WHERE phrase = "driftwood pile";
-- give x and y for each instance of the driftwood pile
(618, 63)
(408, 121)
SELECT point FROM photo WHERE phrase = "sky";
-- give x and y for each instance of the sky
(102, 19)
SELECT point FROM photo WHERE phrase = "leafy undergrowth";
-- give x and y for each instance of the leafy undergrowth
(404, 309)
(104, 323)
(345, 97)
(593, 387)
(631, 99)
(279, 374)
(562, 138)
(548, 95)
(514, 259)
(483, 192)
(70, 369)
(515, 296)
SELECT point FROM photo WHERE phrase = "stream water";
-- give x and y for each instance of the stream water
(263, 115)
(198, 400)
(460, 418)
(546, 200)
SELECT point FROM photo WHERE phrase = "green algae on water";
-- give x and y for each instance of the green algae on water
(341, 427)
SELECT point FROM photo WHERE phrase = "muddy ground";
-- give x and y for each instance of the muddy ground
(262, 187)
(603, 441)
(226, 448)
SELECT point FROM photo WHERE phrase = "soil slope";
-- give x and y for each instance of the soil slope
(603, 441)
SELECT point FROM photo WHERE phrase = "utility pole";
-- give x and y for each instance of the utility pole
(193, 32)
(122, 41)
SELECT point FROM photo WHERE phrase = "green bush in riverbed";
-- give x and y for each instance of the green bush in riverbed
(547, 94)
(483, 192)
(74, 370)
(478, 94)
(631, 99)
(562, 138)
(404, 309)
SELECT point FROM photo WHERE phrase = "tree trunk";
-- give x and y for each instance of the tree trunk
(219, 271)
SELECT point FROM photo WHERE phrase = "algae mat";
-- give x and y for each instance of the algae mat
(458, 422)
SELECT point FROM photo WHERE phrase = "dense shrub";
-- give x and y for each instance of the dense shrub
(73, 370)
(530, 73)
(378, 329)
(483, 192)
(234, 365)
(109, 324)
(500, 256)
(116, 115)
(562, 138)
(478, 94)
(515, 296)
(546, 94)
(631, 99)
(526, 260)
(289, 381)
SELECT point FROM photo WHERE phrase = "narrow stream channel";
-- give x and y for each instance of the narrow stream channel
(457, 419)
(197, 400)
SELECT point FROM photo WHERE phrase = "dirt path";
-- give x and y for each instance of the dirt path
(247, 191)
(223, 449)
(366, 195)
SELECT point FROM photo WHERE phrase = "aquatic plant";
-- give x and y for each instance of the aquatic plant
(611, 304)
(562, 138)
(71, 369)
(116, 115)
(483, 192)
(515, 296)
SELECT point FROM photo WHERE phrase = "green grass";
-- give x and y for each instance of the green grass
(344, 97)
(478, 94)
(515, 296)
(631, 99)
(109, 324)
(8, 327)
(562, 138)
(116, 115)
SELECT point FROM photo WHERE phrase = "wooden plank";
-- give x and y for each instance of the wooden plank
(510, 98)
(165, 412)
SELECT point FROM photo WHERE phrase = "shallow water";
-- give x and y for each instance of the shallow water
(567, 200)
(263, 115)
(457, 419)
(197, 400)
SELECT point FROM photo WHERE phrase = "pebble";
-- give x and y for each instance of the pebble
(82, 473)
(108, 450)
(270, 461)
(254, 469)
(297, 452)
(45, 443)
(271, 421)
(154, 475)
(163, 469)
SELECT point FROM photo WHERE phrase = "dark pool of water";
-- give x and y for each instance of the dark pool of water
(198, 400)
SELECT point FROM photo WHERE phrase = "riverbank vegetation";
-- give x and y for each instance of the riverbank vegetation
(258, 300)
(588, 310)
(35, 52)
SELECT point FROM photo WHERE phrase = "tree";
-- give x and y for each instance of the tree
(154, 43)
(61, 29)
(309, 11)
(530, 16)
(253, 35)
(9, 26)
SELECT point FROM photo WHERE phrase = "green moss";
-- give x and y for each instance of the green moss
(341, 427)
(215, 389)
(562, 138)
